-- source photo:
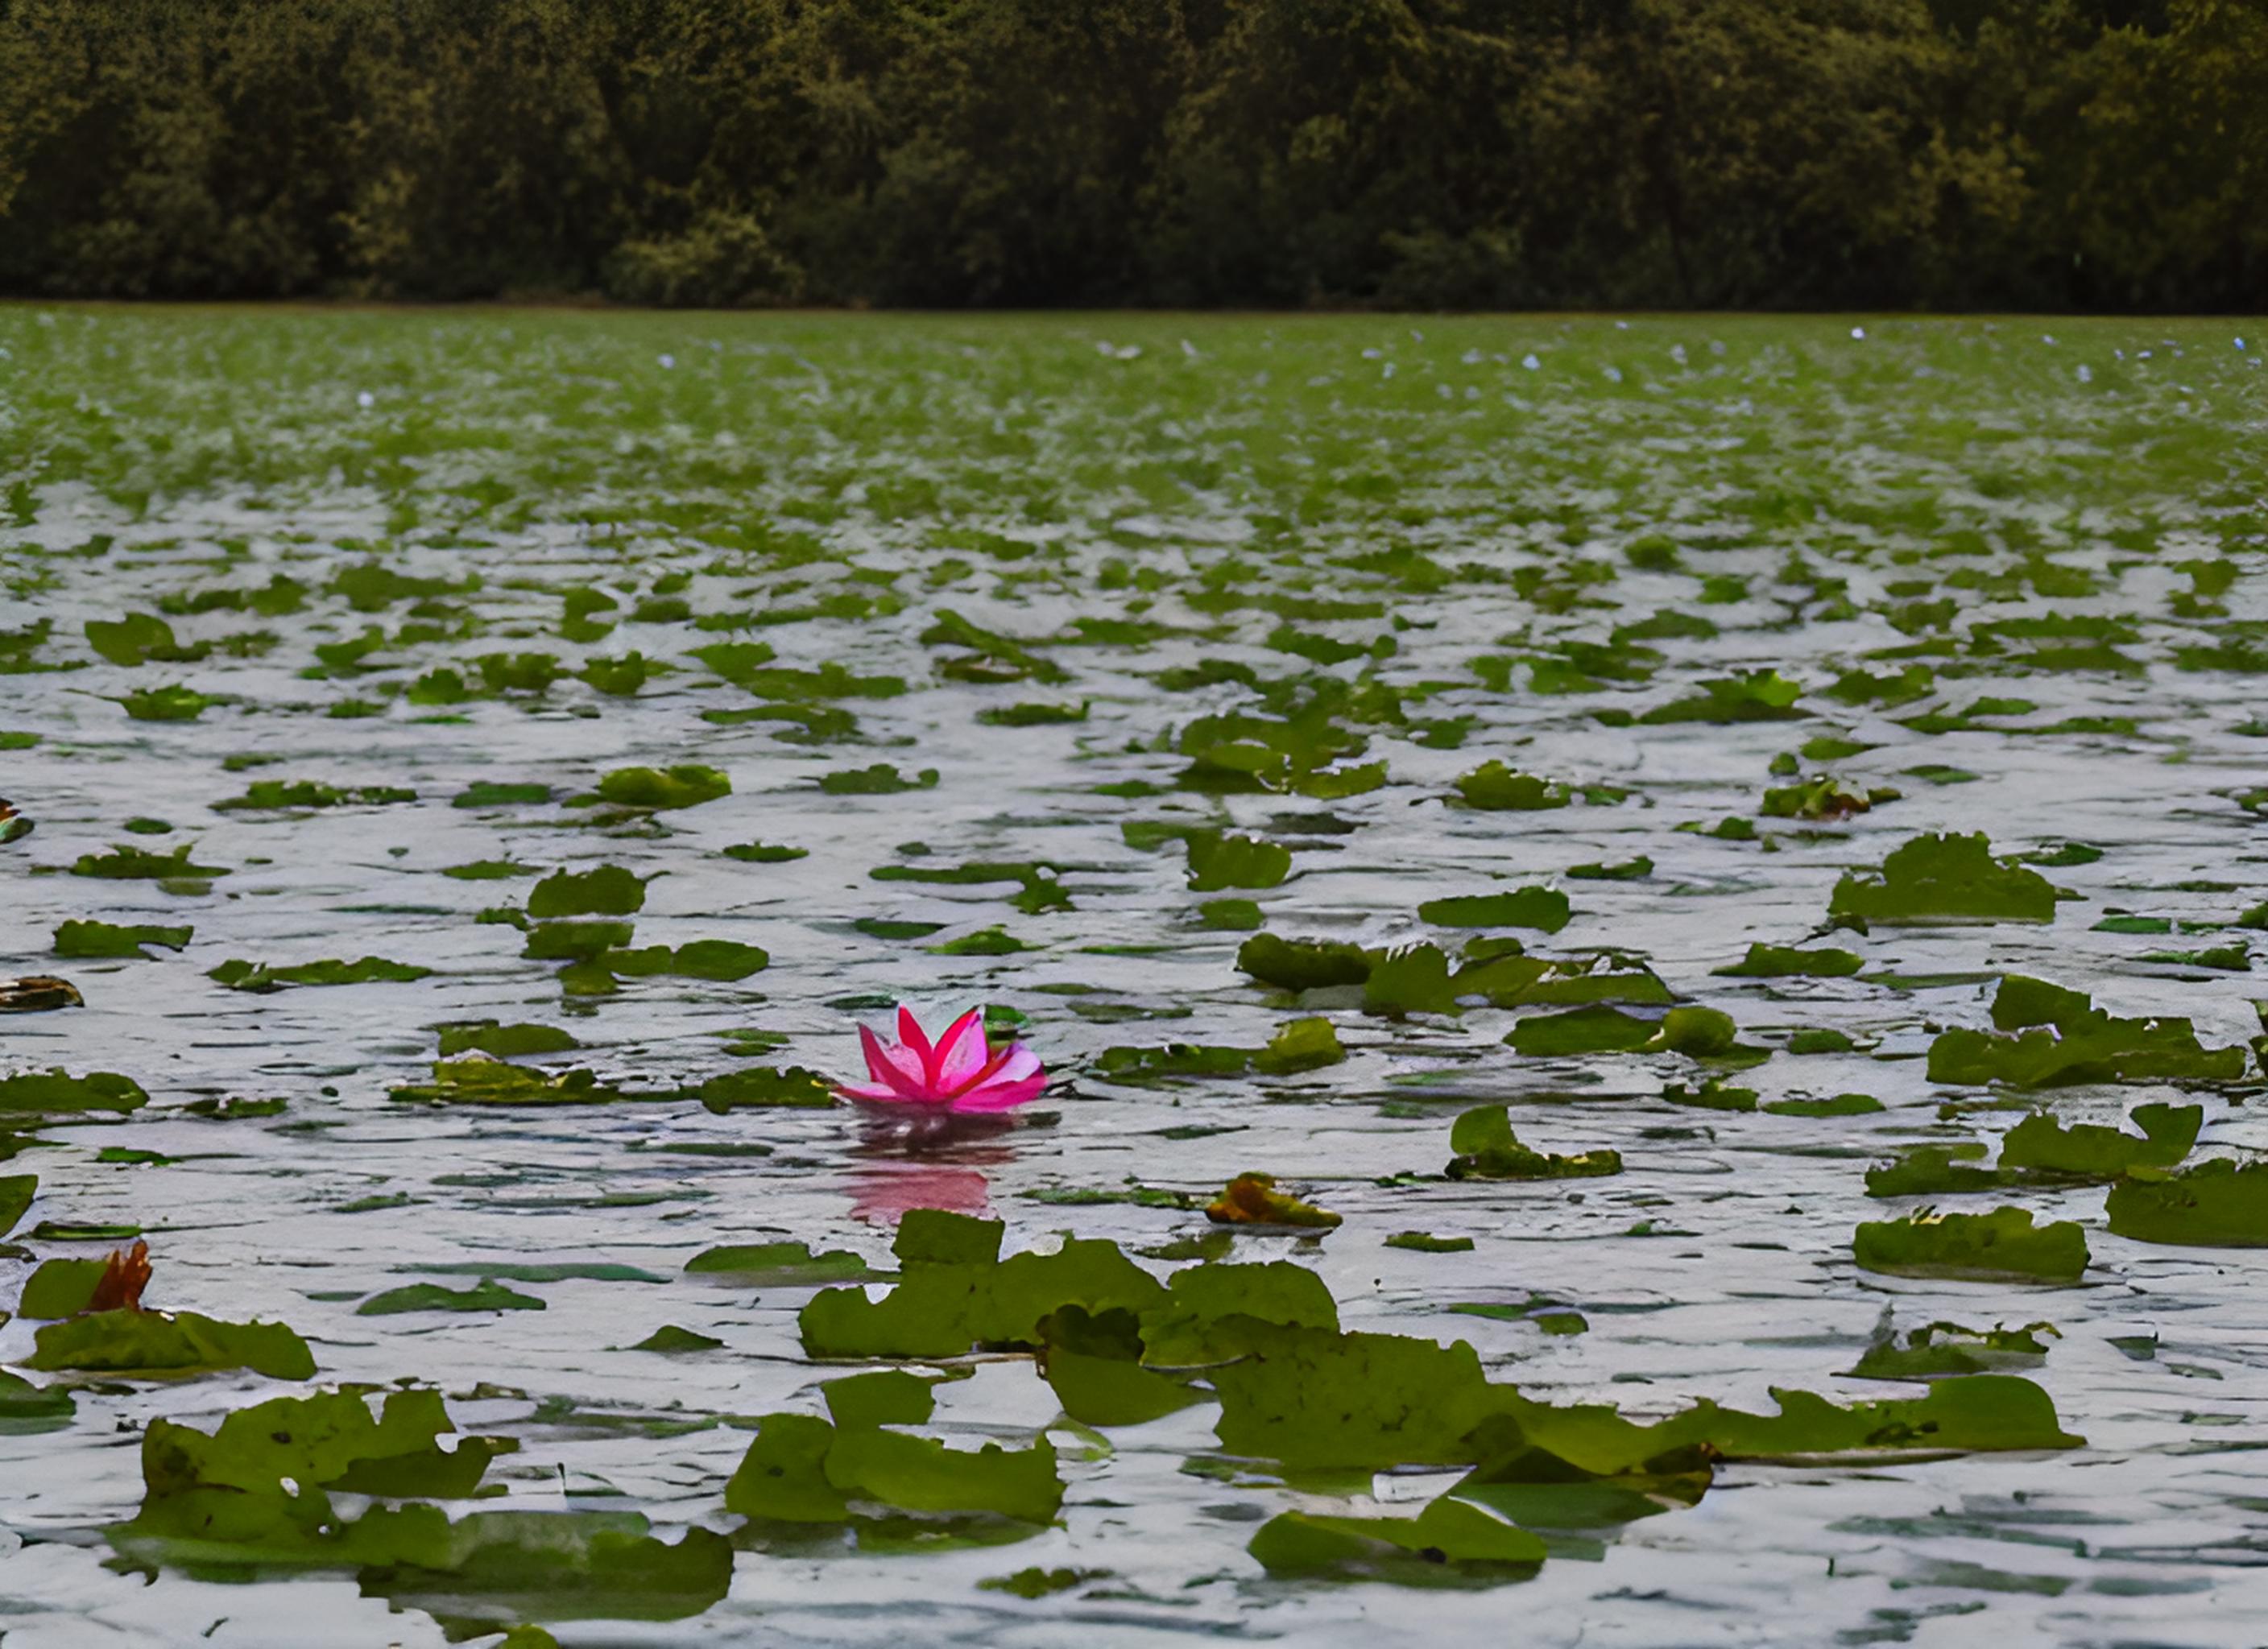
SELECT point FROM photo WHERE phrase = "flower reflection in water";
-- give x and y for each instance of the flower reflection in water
(933, 1161)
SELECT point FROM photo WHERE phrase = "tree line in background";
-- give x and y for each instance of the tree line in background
(2089, 154)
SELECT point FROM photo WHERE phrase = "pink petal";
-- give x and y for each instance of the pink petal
(1001, 1096)
(911, 1035)
(879, 1091)
(890, 1065)
(1018, 1062)
(961, 1052)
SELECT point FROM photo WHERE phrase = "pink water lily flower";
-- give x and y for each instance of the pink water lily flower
(958, 1072)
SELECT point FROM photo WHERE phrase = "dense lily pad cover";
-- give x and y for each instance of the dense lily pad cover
(1603, 908)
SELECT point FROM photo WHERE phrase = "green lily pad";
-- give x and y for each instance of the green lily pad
(57, 1093)
(151, 1342)
(239, 974)
(761, 1085)
(688, 785)
(1450, 1537)
(1487, 1149)
(783, 1264)
(504, 1042)
(2216, 1205)
(1495, 788)
(2001, 1245)
(484, 1295)
(1545, 908)
(608, 891)
(107, 939)
(1944, 877)
(1252, 1199)
(1782, 961)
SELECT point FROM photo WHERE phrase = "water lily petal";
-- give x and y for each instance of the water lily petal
(890, 1065)
(961, 1052)
(1015, 1064)
(1001, 1096)
(910, 1034)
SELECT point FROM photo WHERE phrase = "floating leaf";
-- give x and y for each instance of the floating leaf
(1941, 878)
(133, 864)
(57, 1093)
(1937, 1350)
(1628, 869)
(26, 1409)
(238, 975)
(672, 1340)
(880, 779)
(765, 853)
(1304, 964)
(477, 1080)
(503, 1041)
(1545, 908)
(2090, 1150)
(766, 1085)
(105, 939)
(2216, 1205)
(1252, 1199)
(149, 1343)
(1449, 1535)
(686, 785)
(1487, 1149)
(1038, 1583)
(1412, 980)
(2001, 1245)
(608, 891)
(16, 1193)
(1425, 1242)
(138, 638)
(783, 1264)
(482, 1296)
(1589, 1030)
(1498, 788)
(1759, 696)
(1308, 1044)
(282, 795)
(499, 793)
(39, 993)
(1217, 861)
(2068, 1039)
(1780, 962)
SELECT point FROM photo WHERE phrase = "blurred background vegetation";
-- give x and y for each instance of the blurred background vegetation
(2038, 154)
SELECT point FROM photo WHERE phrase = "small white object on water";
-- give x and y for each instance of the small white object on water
(1371, 354)
(1859, 332)
(2046, 338)
(1417, 336)
(1614, 374)
(667, 361)
(1622, 326)
(2086, 373)
(1677, 353)
(1189, 349)
(1130, 351)
(365, 399)
(1470, 357)
(1388, 372)
(2240, 343)
(1530, 362)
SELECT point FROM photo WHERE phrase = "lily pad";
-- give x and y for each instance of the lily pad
(1944, 877)
(2003, 1245)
